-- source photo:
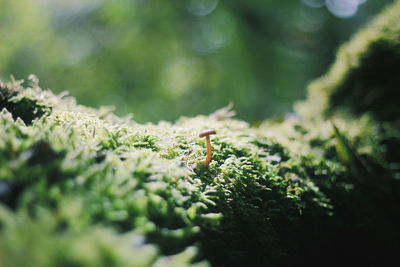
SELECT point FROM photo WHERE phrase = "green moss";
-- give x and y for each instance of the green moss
(364, 77)
(151, 179)
(20, 104)
(86, 169)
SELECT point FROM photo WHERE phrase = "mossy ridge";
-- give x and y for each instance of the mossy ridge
(364, 76)
(360, 91)
(263, 187)
(151, 178)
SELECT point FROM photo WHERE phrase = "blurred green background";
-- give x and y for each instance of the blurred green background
(161, 59)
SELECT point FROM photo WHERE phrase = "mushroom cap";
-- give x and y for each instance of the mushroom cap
(207, 132)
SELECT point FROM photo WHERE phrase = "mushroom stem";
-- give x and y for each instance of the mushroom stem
(209, 151)
(206, 134)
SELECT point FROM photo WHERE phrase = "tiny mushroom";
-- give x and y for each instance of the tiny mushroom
(207, 134)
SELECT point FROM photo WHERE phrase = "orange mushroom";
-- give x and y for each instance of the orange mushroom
(207, 133)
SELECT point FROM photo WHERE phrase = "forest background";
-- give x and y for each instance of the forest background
(163, 59)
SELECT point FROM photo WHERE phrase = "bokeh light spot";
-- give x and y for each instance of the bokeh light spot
(343, 8)
(212, 33)
(201, 7)
(179, 76)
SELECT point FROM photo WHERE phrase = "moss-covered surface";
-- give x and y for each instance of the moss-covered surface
(82, 187)
(365, 77)
(70, 171)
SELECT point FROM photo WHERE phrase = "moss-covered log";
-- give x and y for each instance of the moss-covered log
(364, 78)
(83, 187)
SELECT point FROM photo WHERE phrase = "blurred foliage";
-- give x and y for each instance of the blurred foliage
(162, 59)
